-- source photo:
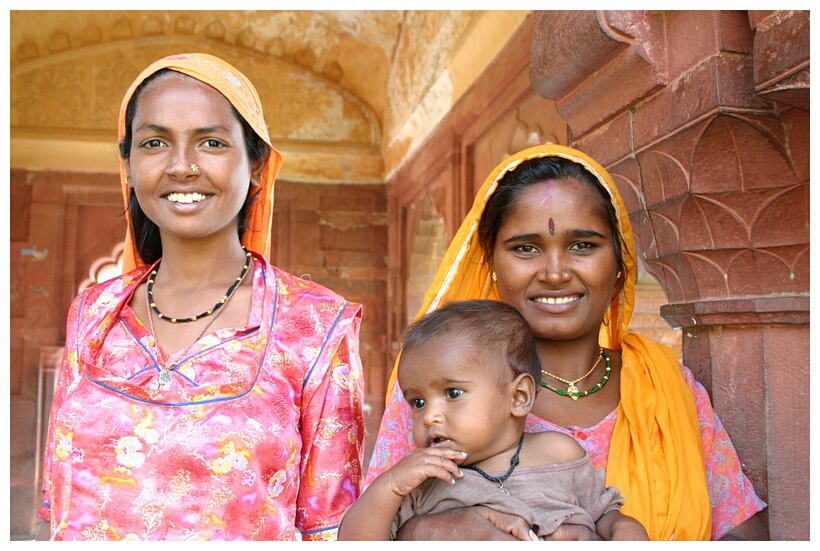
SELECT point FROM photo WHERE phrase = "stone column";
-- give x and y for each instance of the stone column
(702, 117)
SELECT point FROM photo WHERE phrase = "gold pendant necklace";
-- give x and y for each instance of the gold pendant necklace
(572, 390)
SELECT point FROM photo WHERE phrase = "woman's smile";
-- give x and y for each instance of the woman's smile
(186, 198)
(562, 302)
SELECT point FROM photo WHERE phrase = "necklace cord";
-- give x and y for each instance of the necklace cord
(153, 332)
(234, 286)
(582, 377)
(513, 464)
(575, 394)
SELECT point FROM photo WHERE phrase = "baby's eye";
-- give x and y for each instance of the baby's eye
(417, 403)
(453, 393)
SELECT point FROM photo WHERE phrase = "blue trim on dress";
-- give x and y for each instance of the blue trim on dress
(213, 400)
(324, 344)
(318, 530)
(153, 358)
(139, 342)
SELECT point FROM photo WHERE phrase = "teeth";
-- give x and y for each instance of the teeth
(559, 300)
(185, 197)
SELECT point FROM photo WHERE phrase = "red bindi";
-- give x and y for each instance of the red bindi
(552, 227)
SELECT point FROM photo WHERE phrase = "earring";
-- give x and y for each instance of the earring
(619, 275)
(494, 277)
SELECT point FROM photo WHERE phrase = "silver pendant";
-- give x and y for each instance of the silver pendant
(164, 376)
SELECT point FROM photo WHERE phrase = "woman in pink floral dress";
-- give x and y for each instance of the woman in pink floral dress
(185, 411)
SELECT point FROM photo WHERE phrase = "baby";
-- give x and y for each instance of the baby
(470, 373)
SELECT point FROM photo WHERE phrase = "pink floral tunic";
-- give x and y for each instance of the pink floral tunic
(732, 494)
(257, 435)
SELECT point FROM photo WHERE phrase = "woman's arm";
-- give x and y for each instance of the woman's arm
(332, 428)
(616, 526)
(466, 524)
(750, 530)
(69, 372)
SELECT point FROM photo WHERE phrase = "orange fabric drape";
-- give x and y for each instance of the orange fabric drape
(242, 95)
(656, 454)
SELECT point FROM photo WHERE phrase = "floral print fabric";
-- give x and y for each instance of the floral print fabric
(732, 495)
(258, 435)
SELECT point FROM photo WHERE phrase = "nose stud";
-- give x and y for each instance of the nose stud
(194, 168)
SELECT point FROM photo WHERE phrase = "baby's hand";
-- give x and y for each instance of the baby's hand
(421, 464)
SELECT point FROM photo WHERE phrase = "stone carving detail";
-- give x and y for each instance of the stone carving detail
(58, 42)
(185, 25)
(308, 97)
(421, 52)
(91, 35)
(721, 211)
(82, 94)
(615, 43)
(121, 29)
(782, 52)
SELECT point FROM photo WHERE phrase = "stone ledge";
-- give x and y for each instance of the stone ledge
(783, 310)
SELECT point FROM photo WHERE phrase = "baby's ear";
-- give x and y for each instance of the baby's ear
(522, 390)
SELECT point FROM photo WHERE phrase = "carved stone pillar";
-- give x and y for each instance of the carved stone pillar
(702, 119)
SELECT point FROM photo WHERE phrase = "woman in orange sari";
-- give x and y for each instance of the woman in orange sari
(204, 394)
(548, 233)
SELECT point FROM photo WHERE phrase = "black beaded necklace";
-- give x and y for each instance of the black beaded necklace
(500, 479)
(206, 313)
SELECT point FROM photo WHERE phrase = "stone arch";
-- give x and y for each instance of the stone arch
(78, 91)
(104, 268)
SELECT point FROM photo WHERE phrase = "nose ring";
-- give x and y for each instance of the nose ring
(194, 168)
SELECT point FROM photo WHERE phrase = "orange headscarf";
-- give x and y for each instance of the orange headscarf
(656, 453)
(240, 92)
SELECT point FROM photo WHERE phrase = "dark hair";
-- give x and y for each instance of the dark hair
(533, 171)
(146, 233)
(494, 326)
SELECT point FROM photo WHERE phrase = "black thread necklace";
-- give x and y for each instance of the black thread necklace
(500, 479)
(206, 313)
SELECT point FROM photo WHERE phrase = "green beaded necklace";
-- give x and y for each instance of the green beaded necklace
(581, 394)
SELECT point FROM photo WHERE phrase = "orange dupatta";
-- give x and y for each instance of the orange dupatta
(656, 453)
(240, 92)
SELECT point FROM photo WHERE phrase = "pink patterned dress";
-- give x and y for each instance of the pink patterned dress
(257, 436)
(732, 494)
